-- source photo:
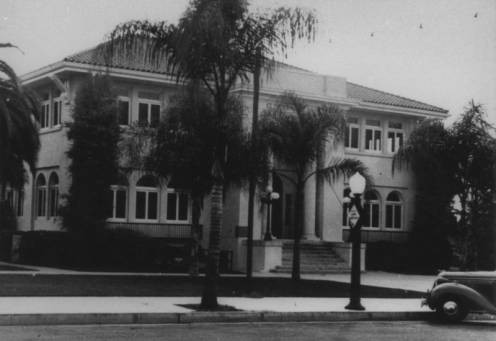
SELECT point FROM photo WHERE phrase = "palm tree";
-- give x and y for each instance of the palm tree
(19, 140)
(213, 43)
(295, 134)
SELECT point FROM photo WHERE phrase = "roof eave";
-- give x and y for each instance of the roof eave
(401, 110)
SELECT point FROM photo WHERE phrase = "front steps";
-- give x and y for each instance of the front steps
(315, 258)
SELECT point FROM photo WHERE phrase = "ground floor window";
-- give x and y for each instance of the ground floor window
(118, 198)
(394, 208)
(15, 198)
(53, 195)
(147, 198)
(371, 209)
(177, 206)
(41, 196)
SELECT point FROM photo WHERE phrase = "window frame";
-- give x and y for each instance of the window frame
(149, 103)
(374, 129)
(114, 189)
(395, 131)
(348, 133)
(56, 103)
(120, 99)
(45, 115)
(393, 205)
(147, 191)
(375, 202)
(43, 189)
(52, 210)
(189, 204)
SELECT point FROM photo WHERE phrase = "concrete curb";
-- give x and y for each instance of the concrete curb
(207, 317)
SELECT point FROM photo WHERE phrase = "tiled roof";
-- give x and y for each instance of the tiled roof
(370, 95)
(94, 56)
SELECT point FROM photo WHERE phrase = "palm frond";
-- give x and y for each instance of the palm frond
(345, 167)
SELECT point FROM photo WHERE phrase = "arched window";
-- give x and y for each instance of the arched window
(147, 198)
(53, 195)
(118, 199)
(394, 210)
(41, 195)
(177, 204)
(371, 209)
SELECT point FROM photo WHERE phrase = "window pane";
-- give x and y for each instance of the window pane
(345, 214)
(56, 113)
(391, 142)
(395, 125)
(375, 123)
(399, 137)
(143, 113)
(183, 206)
(389, 216)
(155, 115)
(352, 120)
(171, 206)
(41, 202)
(347, 137)
(152, 205)
(375, 215)
(368, 139)
(140, 205)
(354, 137)
(397, 217)
(123, 112)
(120, 205)
(377, 140)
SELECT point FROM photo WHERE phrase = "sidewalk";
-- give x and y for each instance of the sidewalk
(124, 310)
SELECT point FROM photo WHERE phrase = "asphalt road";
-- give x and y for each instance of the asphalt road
(342, 331)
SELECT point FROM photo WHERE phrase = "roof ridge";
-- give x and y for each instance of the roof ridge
(399, 96)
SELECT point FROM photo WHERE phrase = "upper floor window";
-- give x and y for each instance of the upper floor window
(148, 108)
(395, 136)
(57, 110)
(394, 208)
(371, 209)
(147, 198)
(45, 114)
(351, 133)
(123, 110)
(373, 135)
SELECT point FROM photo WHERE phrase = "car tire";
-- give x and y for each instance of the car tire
(451, 309)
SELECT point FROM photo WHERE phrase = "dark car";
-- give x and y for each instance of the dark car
(455, 294)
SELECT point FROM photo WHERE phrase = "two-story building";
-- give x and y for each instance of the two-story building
(378, 124)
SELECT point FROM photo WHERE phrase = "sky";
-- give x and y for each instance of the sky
(442, 52)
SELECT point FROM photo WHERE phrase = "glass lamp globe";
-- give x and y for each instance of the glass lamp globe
(357, 183)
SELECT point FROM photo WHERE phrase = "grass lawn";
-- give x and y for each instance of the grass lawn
(83, 285)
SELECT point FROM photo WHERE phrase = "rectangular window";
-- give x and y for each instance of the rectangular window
(373, 137)
(41, 202)
(57, 112)
(351, 133)
(140, 205)
(152, 205)
(120, 203)
(123, 111)
(177, 206)
(149, 113)
(395, 136)
(45, 115)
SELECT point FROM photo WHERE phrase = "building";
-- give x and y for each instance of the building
(378, 123)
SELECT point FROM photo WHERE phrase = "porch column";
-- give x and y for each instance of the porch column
(309, 209)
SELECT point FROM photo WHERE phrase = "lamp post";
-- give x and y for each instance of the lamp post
(357, 186)
(267, 199)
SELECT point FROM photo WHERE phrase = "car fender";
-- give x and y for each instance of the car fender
(469, 295)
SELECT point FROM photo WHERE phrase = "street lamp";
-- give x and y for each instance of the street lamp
(355, 212)
(267, 199)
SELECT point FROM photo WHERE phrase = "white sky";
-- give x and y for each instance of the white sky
(451, 60)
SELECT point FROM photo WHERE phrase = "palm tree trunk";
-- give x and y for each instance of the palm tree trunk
(195, 236)
(209, 297)
(251, 190)
(295, 275)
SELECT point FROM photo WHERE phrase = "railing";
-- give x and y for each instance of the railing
(156, 230)
(370, 236)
